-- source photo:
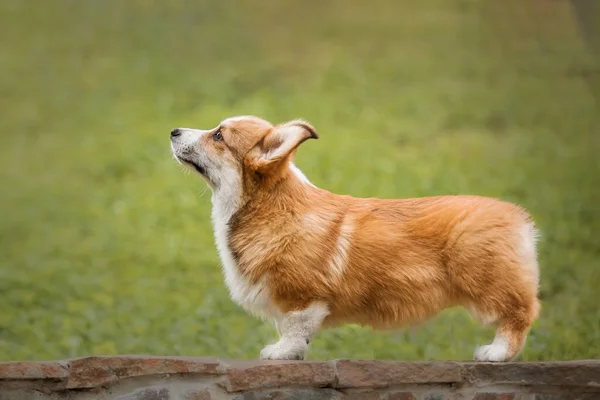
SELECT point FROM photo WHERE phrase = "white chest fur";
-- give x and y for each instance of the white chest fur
(252, 297)
(255, 298)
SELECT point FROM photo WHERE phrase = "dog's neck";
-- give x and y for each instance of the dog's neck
(228, 198)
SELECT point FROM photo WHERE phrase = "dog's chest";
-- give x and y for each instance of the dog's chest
(254, 298)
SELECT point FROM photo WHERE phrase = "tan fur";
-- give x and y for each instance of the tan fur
(398, 262)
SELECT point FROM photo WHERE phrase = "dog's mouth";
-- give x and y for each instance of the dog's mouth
(197, 167)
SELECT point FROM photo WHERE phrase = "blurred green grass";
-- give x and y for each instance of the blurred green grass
(106, 246)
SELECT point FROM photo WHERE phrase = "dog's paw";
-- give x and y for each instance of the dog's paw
(285, 350)
(491, 352)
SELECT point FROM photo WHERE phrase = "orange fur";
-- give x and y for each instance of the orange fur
(377, 262)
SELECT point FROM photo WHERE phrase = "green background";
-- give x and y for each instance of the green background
(106, 244)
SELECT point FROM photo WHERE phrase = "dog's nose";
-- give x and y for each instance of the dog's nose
(175, 132)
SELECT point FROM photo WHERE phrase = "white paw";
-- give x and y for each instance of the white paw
(285, 349)
(491, 352)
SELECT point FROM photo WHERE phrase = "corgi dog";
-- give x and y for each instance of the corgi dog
(309, 259)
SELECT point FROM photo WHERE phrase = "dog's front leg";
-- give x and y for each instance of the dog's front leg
(296, 329)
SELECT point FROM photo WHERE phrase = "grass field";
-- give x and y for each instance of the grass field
(106, 245)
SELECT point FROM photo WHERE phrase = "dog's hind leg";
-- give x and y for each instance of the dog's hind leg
(500, 287)
(510, 336)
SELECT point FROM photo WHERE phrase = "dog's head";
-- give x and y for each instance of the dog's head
(243, 152)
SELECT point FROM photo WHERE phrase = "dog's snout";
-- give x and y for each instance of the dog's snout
(175, 132)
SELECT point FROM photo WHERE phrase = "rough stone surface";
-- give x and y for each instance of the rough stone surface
(563, 373)
(249, 375)
(203, 394)
(401, 396)
(494, 396)
(362, 395)
(385, 373)
(91, 372)
(147, 394)
(182, 378)
(291, 394)
(567, 396)
(434, 396)
(33, 370)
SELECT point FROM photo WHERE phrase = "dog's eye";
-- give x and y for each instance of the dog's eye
(217, 136)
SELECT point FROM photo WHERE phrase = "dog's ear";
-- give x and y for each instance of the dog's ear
(280, 144)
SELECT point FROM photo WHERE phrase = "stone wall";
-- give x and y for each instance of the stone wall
(180, 378)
